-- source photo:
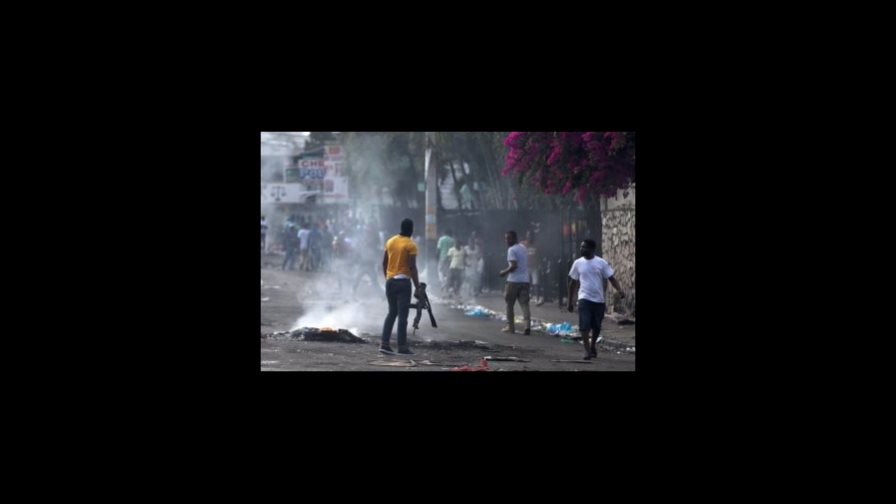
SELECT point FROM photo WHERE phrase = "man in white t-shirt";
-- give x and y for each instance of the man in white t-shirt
(457, 262)
(587, 276)
(304, 233)
(517, 272)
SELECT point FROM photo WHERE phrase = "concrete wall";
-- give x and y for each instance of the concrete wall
(618, 215)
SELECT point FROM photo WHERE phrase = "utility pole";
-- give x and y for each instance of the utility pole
(430, 218)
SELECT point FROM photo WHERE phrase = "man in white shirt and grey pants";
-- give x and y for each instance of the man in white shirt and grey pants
(517, 281)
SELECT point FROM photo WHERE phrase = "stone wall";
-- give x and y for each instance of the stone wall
(618, 215)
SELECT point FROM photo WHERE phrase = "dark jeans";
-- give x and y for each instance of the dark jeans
(290, 258)
(591, 315)
(398, 293)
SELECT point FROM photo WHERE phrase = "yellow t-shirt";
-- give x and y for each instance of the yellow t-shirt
(399, 248)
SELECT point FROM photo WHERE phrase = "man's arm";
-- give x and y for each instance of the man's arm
(511, 266)
(573, 287)
(616, 286)
(412, 263)
(385, 265)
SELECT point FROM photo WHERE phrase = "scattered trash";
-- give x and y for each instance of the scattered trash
(508, 358)
(566, 340)
(575, 361)
(277, 335)
(268, 362)
(400, 363)
(324, 334)
(473, 343)
(563, 329)
(265, 299)
(479, 311)
(441, 364)
(483, 366)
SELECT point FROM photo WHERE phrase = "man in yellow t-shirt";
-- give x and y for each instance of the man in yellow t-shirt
(400, 268)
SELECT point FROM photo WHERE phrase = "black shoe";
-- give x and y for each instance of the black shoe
(386, 350)
(405, 351)
(526, 332)
(593, 352)
(587, 356)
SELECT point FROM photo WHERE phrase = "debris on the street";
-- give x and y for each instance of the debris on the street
(562, 329)
(572, 360)
(315, 334)
(268, 362)
(473, 343)
(265, 299)
(566, 340)
(326, 334)
(483, 366)
(397, 363)
(440, 364)
(507, 358)
(479, 311)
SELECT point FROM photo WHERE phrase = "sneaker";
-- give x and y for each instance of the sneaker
(507, 329)
(526, 332)
(386, 350)
(405, 351)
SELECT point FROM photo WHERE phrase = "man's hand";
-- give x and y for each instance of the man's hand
(421, 290)
(570, 307)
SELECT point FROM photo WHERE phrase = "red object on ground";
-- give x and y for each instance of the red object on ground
(483, 366)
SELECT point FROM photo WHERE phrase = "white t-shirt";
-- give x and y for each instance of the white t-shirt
(457, 258)
(519, 254)
(303, 238)
(591, 275)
